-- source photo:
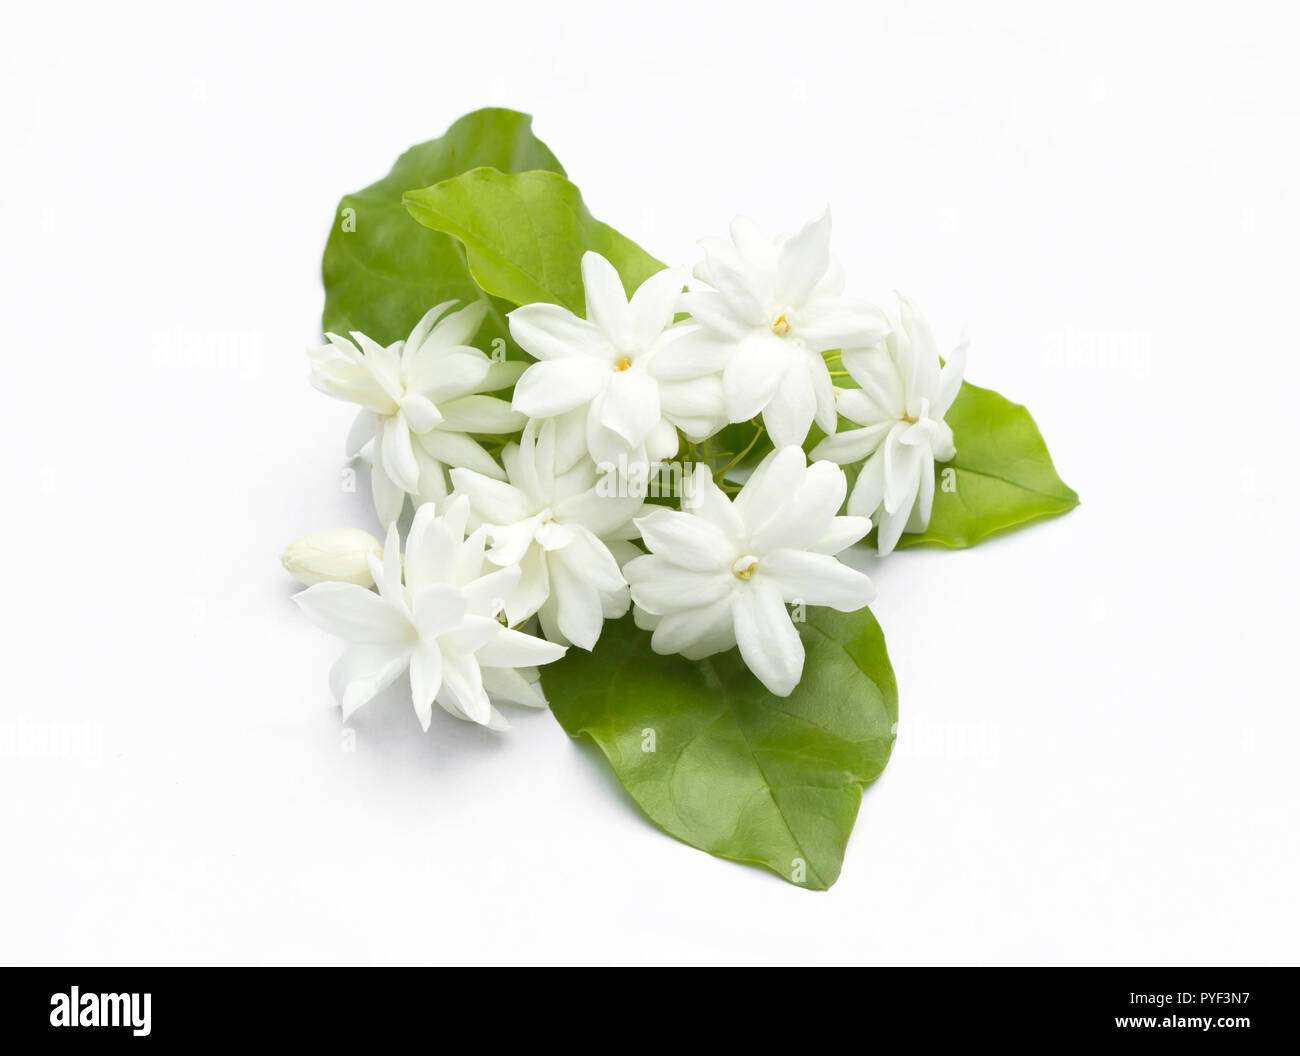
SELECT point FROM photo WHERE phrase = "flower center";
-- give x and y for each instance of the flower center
(623, 363)
(781, 325)
(910, 420)
(743, 567)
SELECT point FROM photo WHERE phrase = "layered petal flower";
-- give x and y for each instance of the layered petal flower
(900, 434)
(420, 399)
(720, 573)
(558, 528)
(434, 616)
(603, 367)
(770, 309)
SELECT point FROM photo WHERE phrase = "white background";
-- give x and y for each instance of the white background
(1097, 755)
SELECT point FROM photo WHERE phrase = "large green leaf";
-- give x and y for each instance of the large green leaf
(1002, 476)
(382, 270)
(525, 233)
(719, 762)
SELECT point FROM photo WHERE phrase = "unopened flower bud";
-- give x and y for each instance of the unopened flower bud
(337, 555)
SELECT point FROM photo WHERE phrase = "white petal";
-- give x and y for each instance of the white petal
(366, 670)
(769, 644)
(602, 514)
(754, 374)
(473, 633)
(591, 560)
(437, 609)
(493, 501)
(920, 519)
(817, 579)
(422, 328)
(388, 497)
(869, 490)
(486, 595)
(388, 573)
(457, 449)
(455, 372)
(806, 514)
(554, 386)
(950, 379)
(651, 308)
(843, 533)
(852, 445)
(876, 371)
(902, 471)
(399, 459)
(480, 414)
(511, 648)
(789, 414)
(715, 314)
(505, 683)
(578, 612)
(697, 632)
(533, 589)
(606, 300)
(420, 413)
(458, 328)
(462, 686)
(753, 242)
(511, 541)
(688, 351)
(819, 375)
(353, 613)
(890, 526)
(549, 332)
(861, 408)
(803, 259)
(426, 680)
(362, 432)
(502, 373)
(430, 552)
(920, 364)
(840, 323)
(770, 485)
(630, 405)
(686, 540)
(702, 497)
(660, 587)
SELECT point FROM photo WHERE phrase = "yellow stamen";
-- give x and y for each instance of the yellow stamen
(623, 364)
(744, 567)
(781, 326)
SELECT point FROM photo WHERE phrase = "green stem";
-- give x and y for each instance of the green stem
(741, 457)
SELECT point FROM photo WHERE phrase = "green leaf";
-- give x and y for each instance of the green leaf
(387, 271)
(1002, 476)
(525, 233)
(734, 770)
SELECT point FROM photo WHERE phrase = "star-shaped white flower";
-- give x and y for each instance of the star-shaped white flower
(900, 409)
(564, 535)
(721, 574)
(606, 365)
(419, 399)
(775, 306)
(440, 624)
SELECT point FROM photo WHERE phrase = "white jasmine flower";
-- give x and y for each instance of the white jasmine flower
(419, 399)
(606, 365)
(562, 533)
(774, 307)
(337, 555)
(900, 408)
(440, 624)
(721, 574)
